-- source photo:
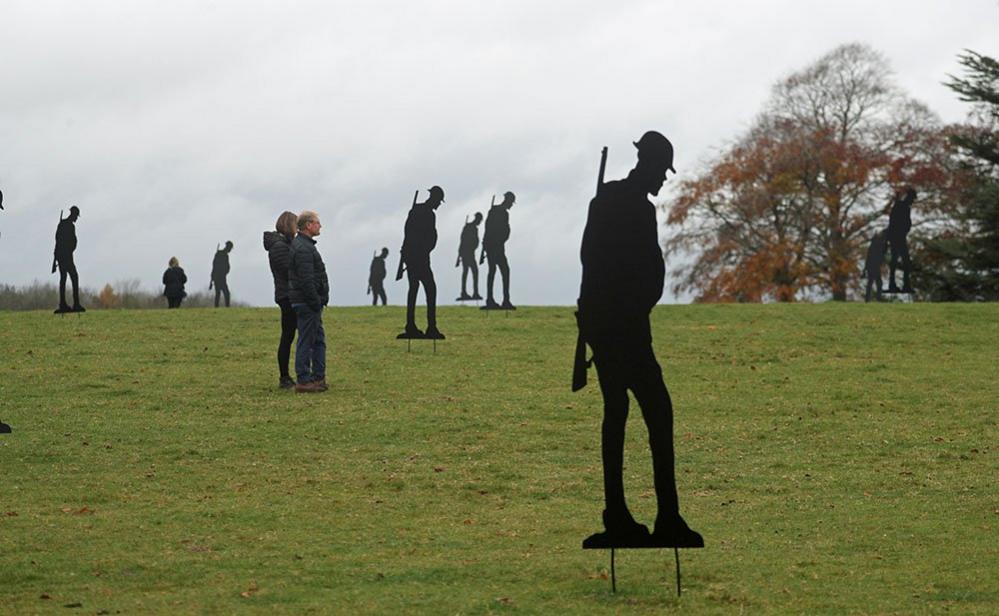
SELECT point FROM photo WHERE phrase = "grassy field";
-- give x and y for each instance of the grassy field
(837, 458)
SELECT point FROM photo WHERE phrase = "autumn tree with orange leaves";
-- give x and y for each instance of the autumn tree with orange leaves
(786, 211)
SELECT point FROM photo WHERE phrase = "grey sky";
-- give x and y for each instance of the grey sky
(174, 126)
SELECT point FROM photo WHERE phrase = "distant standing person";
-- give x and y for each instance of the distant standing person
(174, 280)
(494, 249)
(309, 291)
(899, 223)
(467, 246)
(419, 241)
(277, 243)
(65, 245)
(376, 278)
(220, 269)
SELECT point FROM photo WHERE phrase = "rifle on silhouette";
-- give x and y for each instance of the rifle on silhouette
(211, 282)
(54, 266)
(369, 281)
(402, 259)
(580, 364)
(482, 259)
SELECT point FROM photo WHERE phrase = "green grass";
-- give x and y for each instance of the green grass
(838, 458)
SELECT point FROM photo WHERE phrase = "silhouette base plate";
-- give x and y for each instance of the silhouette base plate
(600, 541)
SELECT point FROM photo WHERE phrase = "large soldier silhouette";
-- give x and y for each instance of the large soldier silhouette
(376, 278)
(414, 258)
(467, 246)
(65, 245)
(623, 277)
(494, 249)
(899, 223)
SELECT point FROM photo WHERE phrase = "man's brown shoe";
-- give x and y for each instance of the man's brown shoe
(321, 383)
(311, 387)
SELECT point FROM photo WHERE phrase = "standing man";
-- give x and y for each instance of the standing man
(899, 223)
(309, 291)
(220, 269)
(494, 249)
(65, 245)
(623, 276)
(466, 257)
(419, 241)
(376, 278)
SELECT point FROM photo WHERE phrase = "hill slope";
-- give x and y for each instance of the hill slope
(834, 456)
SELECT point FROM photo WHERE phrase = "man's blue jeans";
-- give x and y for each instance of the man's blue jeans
(310, 352)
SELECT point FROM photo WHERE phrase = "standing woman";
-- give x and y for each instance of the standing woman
(174, 279)
(277, 244)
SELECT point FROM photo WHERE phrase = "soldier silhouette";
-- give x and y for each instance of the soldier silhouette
(623, 277)
(872, 266)
(466, 258)
(414, 258)
(220, 269)
(494, 248)
(899, 223)
(65, 245)
(376, 278)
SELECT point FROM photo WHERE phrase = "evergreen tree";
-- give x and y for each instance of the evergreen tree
(965, 266)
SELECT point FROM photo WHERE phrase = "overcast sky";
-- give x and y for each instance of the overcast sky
(178, 125)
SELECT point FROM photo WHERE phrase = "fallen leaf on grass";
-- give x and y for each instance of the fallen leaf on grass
(504, 600)
(439, 469)
(44, 595)
(252, 590)
(11, 514)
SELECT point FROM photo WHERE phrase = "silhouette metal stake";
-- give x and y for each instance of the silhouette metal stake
(419, 241)
(676, 553)
(623, 275)
(62, 258)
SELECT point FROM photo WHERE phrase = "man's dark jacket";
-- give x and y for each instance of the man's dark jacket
(623, 267)
(307, 281)
(278, 248)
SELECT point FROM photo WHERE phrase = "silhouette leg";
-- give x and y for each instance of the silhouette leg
(489, 280)
(657, 410)
(414, 289)
(615, 396)
(464, 278)
(906, 265)
(75, 279)
(430, 289)
(218, 295)
(475, 278)
(505, 273)
(892, 287)
(867, 292)
(226, 291)
(62, 286)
